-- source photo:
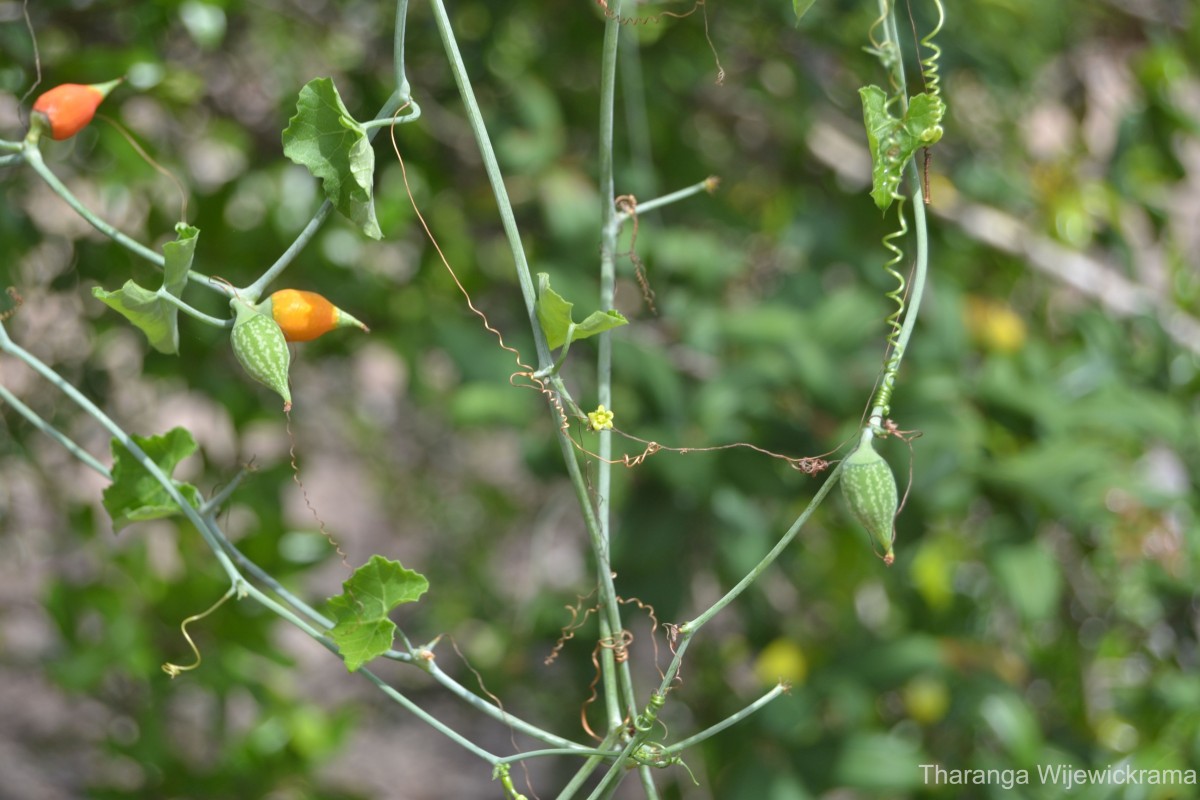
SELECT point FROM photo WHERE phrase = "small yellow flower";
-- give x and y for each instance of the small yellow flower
(600, 420)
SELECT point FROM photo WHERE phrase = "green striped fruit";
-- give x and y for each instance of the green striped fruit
(261, 349)
(870, 490)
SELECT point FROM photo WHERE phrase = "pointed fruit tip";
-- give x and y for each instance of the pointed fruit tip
(107, 86)
(345, 320)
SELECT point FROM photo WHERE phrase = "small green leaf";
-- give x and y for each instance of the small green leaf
(554, 314)
(362, 630)
(923, 122)
(324, 138)
(156, 317)
(178, 255)
(801, 7)
(599, 322)
(135, 494)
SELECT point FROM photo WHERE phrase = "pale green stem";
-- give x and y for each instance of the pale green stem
(921, 268)
(609, 229)
(616, 771)
(893, 35)
(266, 579)
(545, 360)
(580, 777)
(560, 744)
(428, 666)
(603, 569)
(492, 167)
(213, 503)
(205, 510)
(412, 116)
(259, 574)
(916, 289)
(139, 455)
(558, 751)
(637, 123)
(432, 721)
(689, 629)
(54, 433)
(33, 157)
(674, 197)
(562, 357)
(11, 146)
(195, 313)
(402, 88)
(429, 719)
(221, 545)
(565, 395)
(680, 746)
(252, 292)
(250, 590)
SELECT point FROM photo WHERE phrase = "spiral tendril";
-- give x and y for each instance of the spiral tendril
(929, 64)
(883, 396)
(887, 50)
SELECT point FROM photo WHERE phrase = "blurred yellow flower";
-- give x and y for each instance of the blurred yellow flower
(994, 325)
(927, 699)
(781, 660)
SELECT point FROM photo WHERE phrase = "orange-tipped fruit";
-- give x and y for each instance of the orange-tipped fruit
(67, 109)
(304, 316)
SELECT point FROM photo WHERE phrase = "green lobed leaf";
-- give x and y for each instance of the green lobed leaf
(883, 134)
(801, 7)
(893, 141)
(325, 139)
(156, 317)
(135, 494)
(362, 630)
(554, 315)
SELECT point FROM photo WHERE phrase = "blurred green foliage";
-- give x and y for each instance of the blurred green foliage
(1042, 606)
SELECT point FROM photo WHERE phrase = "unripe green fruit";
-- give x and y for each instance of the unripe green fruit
(261, 349)
(870, 490)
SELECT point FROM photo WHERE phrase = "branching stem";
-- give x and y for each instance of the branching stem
(252, 292)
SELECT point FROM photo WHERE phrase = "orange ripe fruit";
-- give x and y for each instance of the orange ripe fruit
(68, 108)
(304, 316)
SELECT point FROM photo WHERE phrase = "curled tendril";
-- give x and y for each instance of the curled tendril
(929, 64)
(653, 754)
(886, 51)
(175, 670)
(645, 721)
(646, 20)
(883, 396)
(8, 313)
(657, 18)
